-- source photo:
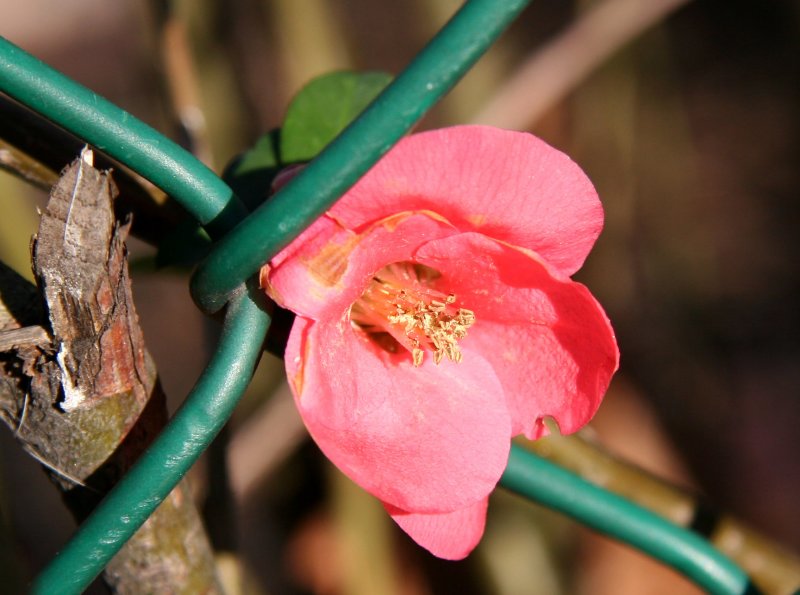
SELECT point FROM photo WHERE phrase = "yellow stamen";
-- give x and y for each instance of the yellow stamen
(400, 307)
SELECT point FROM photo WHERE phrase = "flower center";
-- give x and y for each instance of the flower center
(400, 308)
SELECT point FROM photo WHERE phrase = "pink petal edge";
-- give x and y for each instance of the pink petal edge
(426, 439)
(449, 535)
(546, 337)
(507, 185)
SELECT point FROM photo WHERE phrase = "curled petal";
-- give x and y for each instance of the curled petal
(545, 336)
(507, 185)
(423, 439)
(448, 535)
(329, 267)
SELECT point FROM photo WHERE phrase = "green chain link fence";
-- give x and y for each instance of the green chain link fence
(244, 242)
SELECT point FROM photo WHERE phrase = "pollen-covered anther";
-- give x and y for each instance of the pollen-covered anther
(400, 302)
(433, 325)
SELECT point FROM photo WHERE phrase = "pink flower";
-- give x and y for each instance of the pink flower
(436, 319)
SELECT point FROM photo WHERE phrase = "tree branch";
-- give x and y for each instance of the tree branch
(554, 70)
(772, 569)
(87, 403)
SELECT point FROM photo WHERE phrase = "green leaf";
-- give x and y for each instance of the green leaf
(251, 173)
(323, 108)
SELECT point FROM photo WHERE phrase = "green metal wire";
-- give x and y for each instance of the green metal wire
(540, 480)
(160, 468)
(122, 136)
(429, 76)
(243, 251)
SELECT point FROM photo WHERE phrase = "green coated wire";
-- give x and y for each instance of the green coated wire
(122, 136)
(429, 76)
(242, 252)
(542, 481)
(160, 468)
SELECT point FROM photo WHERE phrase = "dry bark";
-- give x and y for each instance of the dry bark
(78, 388)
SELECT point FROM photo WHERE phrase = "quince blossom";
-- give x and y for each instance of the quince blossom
(436, 319)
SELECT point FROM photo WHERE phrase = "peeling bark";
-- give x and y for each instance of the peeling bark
(85, 400)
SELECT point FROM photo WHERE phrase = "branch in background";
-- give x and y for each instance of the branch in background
(264, 441)
(178, 79)
(35, 149)
(28, 336)
(556, 69)
(18, 163)
(310, 41)
(199, 80)
(772, 569)
(87, 404)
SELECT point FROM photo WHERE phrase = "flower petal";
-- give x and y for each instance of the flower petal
(329, 267)
(448, 535)
(546, 337)
(507, 185)
(424, 439)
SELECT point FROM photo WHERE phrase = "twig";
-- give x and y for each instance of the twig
(553, 71)
(17, 162)
(771, 568)
(263, 442)
(23, 337)
(178, 79)
(86, 403)
(310, 37)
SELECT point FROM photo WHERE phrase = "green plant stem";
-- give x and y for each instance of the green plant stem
(541, 481)
(187, 435)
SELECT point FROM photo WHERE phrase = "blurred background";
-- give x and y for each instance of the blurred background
(685, 116)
